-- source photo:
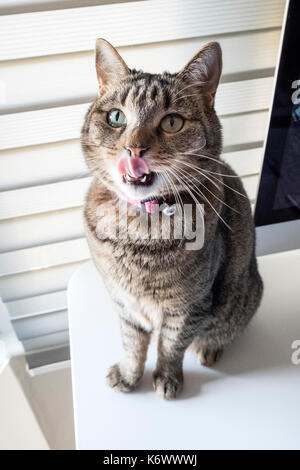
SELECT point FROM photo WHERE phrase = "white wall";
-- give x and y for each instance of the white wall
(50, 397)
(35, 410)
(19, 429)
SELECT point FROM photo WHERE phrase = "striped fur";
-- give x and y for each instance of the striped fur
(202, 298)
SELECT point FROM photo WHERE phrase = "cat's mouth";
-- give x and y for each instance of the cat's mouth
(145, 179)
(136, 181)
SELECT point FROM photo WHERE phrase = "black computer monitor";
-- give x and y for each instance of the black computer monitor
(277, 212)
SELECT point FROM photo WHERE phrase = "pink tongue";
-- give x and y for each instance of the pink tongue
(151, 206)
(136, 167)
(133, 166)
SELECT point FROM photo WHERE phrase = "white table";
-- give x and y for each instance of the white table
(250, 400)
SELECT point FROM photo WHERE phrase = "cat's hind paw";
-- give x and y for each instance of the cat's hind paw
(166, 386)
(115, 380)
(208, 357)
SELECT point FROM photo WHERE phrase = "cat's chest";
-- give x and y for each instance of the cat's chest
(139, 286)
(136, 305)
(148, 282)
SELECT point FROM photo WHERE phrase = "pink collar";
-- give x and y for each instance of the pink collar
(150, 206)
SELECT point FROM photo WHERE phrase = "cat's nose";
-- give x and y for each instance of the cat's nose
(136, 151)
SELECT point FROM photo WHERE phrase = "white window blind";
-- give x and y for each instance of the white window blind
(47, 81)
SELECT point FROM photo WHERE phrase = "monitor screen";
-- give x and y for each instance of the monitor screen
(279, 190)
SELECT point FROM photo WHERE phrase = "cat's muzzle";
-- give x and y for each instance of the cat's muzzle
(143, 180)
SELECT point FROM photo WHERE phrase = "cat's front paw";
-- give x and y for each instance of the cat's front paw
(115, 380)
(167, 386)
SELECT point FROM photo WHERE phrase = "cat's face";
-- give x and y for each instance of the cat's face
(149, 135)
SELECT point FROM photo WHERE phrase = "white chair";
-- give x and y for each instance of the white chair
(249, 400)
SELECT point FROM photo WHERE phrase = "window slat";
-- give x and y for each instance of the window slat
(43, 257)
(41, 229)
(245, 162)
(51, 340)
(37, 305)
(37, 282)
(51, 162)
(49, 197)
(34, 327)
(246, 129)
(62, 31)
(37, 360)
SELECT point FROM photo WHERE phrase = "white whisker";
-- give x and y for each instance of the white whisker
(202, 195)
(193, 167)
(205, 187)
(220, 174)
(229, 187)
(203, 156)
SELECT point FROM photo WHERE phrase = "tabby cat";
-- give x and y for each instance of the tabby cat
(153, 138)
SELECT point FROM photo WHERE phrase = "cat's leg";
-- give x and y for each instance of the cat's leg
(168, 376)
(179, 329)
(172, 343)
(232, 310)
(125, 375)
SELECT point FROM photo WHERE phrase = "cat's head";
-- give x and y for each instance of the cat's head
(148, 135)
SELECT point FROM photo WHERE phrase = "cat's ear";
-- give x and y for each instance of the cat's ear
(205, 69)
(110, 66)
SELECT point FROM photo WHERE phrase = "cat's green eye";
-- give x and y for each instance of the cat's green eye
(116, 118)
(172, 123)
